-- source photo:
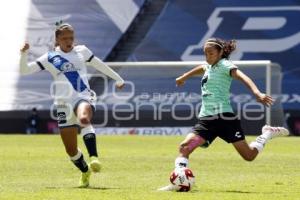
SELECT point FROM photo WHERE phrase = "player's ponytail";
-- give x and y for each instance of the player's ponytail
(226, 46)
(229, 46)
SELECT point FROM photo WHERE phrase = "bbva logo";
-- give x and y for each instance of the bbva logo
(256, 29)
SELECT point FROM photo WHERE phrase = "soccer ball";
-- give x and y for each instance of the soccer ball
(182, 178)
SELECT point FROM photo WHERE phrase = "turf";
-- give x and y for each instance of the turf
(36, 167)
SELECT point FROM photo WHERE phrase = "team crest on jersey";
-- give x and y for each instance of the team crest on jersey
(60, 63)
(68, 67)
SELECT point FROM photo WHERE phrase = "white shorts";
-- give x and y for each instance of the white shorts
(65, 108)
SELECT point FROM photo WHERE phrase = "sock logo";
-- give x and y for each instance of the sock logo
(182, 164)
(89, 136)
(257, 30)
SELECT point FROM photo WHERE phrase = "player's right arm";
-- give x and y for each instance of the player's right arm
(27, 68)
(199, 70)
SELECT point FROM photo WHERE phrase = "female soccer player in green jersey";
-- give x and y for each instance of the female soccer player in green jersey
(216, 117)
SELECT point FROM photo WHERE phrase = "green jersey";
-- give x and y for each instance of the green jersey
(215, 86)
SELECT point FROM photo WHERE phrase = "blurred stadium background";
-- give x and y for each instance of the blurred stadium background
(152, 30)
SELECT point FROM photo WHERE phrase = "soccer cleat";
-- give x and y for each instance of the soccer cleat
(275, 131)
(85, 179)
(95, 164)
(169, 188)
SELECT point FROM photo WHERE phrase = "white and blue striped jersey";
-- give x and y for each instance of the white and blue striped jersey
(68, 70)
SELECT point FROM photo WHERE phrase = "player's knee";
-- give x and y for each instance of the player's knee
(84, 120)
(84, 117)
(248, 157)
(184, 149)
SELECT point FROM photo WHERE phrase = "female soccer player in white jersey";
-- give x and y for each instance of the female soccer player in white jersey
(74, 100)
(216, 117)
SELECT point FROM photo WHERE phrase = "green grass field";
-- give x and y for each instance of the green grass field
(36, 167)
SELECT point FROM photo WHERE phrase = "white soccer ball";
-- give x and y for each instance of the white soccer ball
(183, 179)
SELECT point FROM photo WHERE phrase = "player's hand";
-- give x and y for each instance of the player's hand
(264, 99)
(25, 48)
(120, 85)
(180, 81)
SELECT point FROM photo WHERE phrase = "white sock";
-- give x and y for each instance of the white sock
(77, 156)
(267, 135)
(260, 142)
(181, 162)
(257, 146)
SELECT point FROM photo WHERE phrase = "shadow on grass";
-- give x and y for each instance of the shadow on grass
(244, 192)
(238, 191)
(88, 188)
(99, 188)
(225, 191)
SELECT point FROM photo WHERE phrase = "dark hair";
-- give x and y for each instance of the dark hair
(227, 46)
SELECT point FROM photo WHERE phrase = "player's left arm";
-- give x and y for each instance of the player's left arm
(99, 65)
(260, 97)
(102, 67)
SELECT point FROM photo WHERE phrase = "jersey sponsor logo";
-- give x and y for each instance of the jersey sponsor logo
(256, 29)
(60, 63)
(68, 69)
